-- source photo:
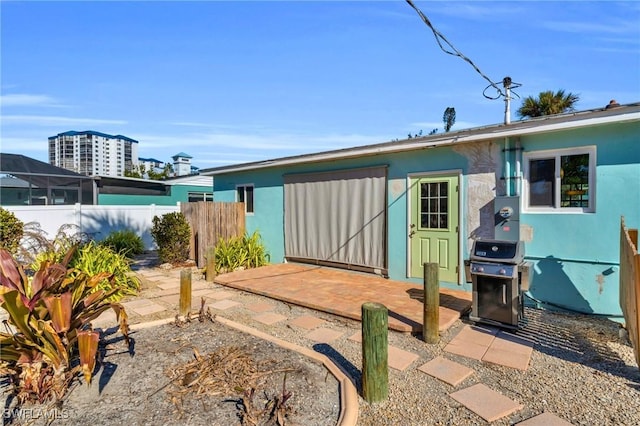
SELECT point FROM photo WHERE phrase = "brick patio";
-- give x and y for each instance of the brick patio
(342, 293)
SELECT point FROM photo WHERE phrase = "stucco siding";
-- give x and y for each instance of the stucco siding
(575, 255)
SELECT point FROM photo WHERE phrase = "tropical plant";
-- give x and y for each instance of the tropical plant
(11, 231)
(92, 259)
(49, 339)
(548, 103)
(244, 252)
(172, 233)
(125, 242)
(38, 248)
(449, 118)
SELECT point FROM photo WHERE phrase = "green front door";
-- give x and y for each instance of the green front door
(434, 225)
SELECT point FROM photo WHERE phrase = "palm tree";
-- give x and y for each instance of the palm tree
(548, 103)
(449, 118)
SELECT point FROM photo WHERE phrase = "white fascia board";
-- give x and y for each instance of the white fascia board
(519, 129)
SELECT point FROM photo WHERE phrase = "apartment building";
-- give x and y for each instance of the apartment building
(93, 153)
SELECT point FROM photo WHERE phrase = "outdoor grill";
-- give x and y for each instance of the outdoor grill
(499, 275)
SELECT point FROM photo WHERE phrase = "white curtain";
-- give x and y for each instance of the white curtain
(337, 216)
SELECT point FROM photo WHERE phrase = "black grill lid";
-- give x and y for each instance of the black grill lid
(498, 251)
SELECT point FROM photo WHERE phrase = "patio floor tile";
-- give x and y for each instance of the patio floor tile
(269, 318)
(448, 371)
(307, 321)
(400, 359)
(544, 419)
(323, 335)
(224, 304)
(485, 402)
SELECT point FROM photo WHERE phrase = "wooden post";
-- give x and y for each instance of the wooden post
(431, 314)
(185, 292)
(375, 372)
(210, 272)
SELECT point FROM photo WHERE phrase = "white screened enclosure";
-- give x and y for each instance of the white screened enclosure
(337, 217)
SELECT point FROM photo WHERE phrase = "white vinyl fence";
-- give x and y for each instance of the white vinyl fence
(95, 220)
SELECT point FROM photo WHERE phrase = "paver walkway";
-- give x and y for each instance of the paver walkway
(342, 293)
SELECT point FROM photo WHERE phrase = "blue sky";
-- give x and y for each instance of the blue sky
(231, 82)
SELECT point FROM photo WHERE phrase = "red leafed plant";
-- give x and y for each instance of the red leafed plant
(49, 326)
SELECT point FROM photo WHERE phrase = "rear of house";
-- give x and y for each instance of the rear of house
(390, 207)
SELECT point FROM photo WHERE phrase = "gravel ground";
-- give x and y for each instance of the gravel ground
(580, 370)
(139, 390)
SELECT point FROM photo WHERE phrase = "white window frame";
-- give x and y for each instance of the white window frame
(557, 154)
(244, 186)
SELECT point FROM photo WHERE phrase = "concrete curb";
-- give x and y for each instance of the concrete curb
(348, 392)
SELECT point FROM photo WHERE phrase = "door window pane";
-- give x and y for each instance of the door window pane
(434, 205)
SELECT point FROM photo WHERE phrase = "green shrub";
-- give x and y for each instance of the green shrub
(172, 233)
(125, 242)
(11, 231)
(240, 252)
(93, 259)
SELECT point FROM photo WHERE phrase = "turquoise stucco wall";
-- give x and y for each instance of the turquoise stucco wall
(268, 217)
(179, 193)
(575, 256)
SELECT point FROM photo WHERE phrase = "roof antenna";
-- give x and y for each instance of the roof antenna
(506, 82)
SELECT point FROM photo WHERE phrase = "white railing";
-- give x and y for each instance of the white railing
(95, 220)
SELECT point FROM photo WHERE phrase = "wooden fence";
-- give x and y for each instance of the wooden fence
(630, 284)
(211, 221)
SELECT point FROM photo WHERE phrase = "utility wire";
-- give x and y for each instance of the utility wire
(440, 39)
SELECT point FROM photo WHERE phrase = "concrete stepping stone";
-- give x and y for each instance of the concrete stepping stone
(224, 304)
(323, 335)
(269, 318)
(260, 307)
(221, 294)
(356, 337)
(485, 402)
(170, 286)
(307, 321)
(544, 419)
(143, 307)
(448, 371)
(510, 351)
(491, 345)
(399, 359)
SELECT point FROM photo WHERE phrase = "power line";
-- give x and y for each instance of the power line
(442, 41)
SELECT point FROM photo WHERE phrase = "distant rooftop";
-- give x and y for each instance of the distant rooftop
(182, 155)
(94, 133)
(152, 160)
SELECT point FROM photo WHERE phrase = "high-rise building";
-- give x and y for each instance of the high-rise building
(93, 153)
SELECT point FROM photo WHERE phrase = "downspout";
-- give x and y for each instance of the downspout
(518, 178)
(507, 167)
(507, 146)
